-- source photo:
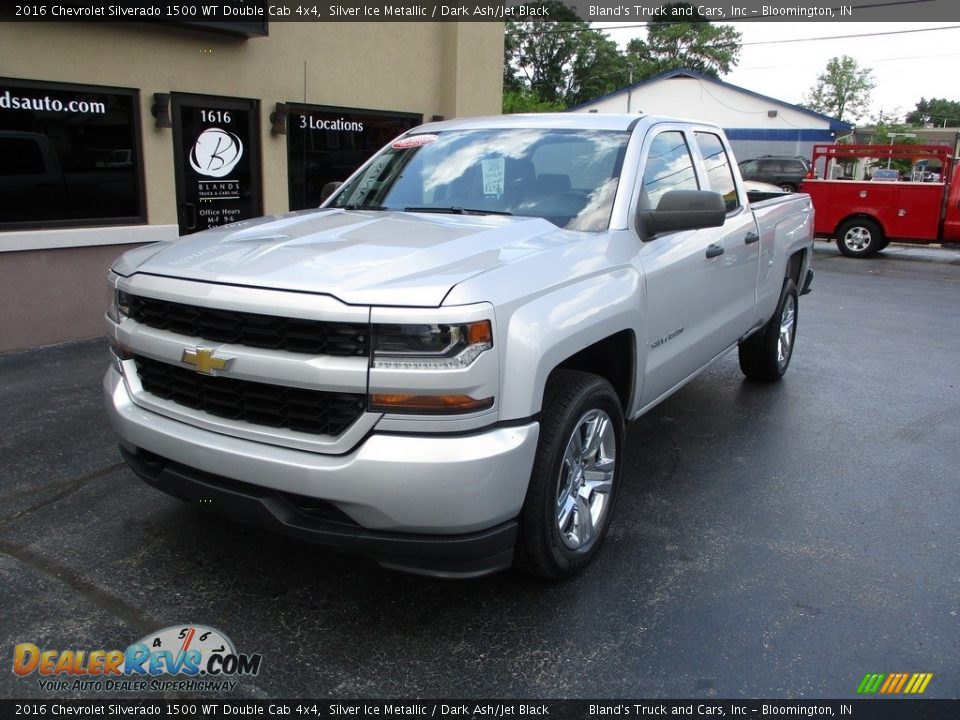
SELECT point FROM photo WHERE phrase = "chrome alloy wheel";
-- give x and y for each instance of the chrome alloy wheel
(858, 238)
(586, 479)
(788, 321)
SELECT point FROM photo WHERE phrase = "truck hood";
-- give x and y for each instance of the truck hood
(359, 257)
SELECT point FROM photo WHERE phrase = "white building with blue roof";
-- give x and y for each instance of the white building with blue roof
(756, 125)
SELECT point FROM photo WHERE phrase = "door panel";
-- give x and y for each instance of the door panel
(736, 292)
(216, 147)
(680, 271)
(683, 321)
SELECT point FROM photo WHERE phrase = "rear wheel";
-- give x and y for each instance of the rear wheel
(766, 354)
(576, 476)
(860, 237)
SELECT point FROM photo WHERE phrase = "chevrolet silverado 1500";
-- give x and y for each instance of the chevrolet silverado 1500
(435, 368)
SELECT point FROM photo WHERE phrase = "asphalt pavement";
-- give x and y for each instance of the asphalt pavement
(771, 540)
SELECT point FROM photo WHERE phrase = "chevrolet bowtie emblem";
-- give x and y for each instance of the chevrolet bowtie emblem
(204, 360)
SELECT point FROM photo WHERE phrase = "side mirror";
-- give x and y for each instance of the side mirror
(329, 189)
(683, 210)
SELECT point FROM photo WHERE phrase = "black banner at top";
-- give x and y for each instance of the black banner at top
(251, 17)
(199, 707)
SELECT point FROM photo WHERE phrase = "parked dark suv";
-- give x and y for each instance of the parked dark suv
(786, 172)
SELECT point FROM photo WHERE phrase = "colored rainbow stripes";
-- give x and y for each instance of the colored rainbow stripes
(894, 683)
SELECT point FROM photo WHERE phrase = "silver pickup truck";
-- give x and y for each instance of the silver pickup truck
(435, 368)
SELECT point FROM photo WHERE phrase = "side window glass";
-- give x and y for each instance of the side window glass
(669, 167)
(69, 154)
(749, 167)
(719, 173)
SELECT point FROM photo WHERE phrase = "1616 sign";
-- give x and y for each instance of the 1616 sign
(218, 173)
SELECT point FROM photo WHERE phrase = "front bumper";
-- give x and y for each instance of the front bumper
(431, 503)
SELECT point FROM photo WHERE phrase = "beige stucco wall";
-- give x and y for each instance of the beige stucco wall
(51, 296)
(448, 69)
(445, 69)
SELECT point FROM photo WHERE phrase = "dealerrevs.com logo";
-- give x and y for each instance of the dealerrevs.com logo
(179, 658)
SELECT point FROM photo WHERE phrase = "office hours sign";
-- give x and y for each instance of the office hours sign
(217, 152)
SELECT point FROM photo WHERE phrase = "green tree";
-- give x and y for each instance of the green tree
(598, 68)
(843, 90)
(538, 55)
(935, 111)
(887, 132)
(696, 44)
(526, 101)
(564, 61)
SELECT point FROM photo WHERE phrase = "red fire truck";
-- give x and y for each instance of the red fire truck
(864, 216)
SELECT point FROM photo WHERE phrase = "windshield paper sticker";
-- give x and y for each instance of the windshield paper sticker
(493, 176)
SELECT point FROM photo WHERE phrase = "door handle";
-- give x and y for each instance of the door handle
(190, 216)
(714, 249)
(751, 237)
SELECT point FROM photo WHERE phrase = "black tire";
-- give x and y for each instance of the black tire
(766, 354)
(788, 187)
(860, 237)
(546, 545)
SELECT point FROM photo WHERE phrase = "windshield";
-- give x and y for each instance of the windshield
(568, 177)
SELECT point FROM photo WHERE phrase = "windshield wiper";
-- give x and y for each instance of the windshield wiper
(362, 207)
(456, 211)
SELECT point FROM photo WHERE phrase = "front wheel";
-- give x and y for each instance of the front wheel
(766, 354)
(576, 476)
(860, 237)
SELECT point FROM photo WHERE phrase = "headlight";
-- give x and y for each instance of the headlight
(119, 306)
(430, 347)
(123, 303)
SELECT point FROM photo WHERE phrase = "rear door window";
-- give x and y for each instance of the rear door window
(719, 170)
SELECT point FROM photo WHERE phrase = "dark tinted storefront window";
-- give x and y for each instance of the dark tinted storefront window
(326, 144)
(69, 155)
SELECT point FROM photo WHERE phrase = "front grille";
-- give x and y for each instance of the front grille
(309, 411)
(315, 337)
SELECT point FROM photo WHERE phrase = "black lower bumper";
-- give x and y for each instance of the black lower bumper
(461, 556)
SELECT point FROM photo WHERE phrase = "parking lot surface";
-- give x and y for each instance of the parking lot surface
(770, 540)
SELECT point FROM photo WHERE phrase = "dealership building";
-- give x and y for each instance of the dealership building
(118, 134)
(755, 124)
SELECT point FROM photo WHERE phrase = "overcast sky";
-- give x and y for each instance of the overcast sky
(785, 60)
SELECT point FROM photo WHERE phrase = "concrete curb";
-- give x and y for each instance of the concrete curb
(898, 251)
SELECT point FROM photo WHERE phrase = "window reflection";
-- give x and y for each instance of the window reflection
(68, 153)
(568, 177)
(719, 172)
(669, 167)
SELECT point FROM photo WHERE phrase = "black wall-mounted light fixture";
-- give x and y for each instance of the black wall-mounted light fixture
(278, 119)
(161, 110)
